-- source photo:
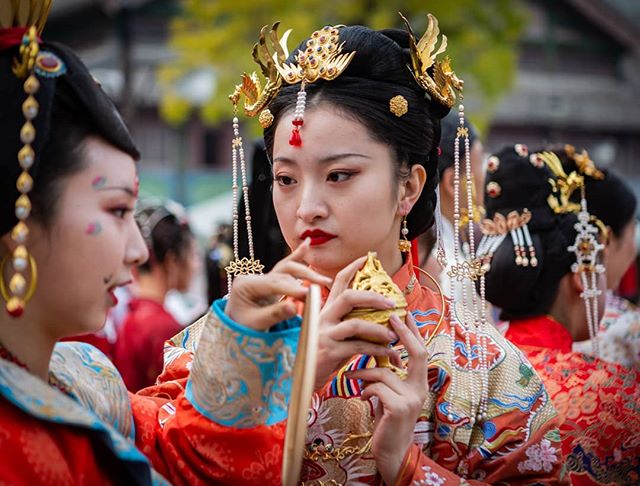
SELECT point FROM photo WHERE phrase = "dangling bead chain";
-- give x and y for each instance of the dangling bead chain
(236, 144)
(245, 195)
(591, 291)
(18, 294)
(298, 117)
(452, 281)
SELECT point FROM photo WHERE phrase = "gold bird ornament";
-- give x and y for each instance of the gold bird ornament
(372, 277)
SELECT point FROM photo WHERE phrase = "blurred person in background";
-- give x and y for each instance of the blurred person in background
(171, 265)
(544, 253)
(612, 201)
(218, 256)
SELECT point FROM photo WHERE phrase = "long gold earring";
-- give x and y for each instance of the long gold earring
(404, 245)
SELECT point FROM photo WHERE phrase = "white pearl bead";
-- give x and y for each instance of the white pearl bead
(20, 264)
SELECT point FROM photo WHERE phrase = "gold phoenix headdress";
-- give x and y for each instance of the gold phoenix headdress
(442, 83)
(32, 16)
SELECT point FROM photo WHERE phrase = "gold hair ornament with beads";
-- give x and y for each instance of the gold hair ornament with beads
(31, 15)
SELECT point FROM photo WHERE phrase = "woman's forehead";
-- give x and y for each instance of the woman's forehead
(327, 135)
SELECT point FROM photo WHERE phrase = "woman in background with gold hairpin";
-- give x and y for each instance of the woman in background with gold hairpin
(547, 277)
(68, 187)
(352, 125)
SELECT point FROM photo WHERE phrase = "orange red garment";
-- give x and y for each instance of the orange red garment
(97, 433)
(598, 403)
(518, 444)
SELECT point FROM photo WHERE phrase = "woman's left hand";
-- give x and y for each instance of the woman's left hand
(399, 402)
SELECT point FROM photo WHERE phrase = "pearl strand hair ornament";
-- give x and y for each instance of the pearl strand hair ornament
(250, 265)
(586, 249)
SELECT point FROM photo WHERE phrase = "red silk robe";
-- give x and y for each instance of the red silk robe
(598, 403)
(518, 444)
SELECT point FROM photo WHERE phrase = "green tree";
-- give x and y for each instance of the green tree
(220, 34)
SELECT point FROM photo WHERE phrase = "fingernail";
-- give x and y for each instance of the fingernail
(389, 304)
(392, 335)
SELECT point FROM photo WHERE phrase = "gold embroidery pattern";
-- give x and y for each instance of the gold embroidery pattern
(338, 440)
(94, 381)
(226, 379)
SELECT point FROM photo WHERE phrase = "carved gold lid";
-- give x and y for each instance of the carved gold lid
(372, 277)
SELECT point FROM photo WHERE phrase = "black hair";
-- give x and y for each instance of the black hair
(163, 235)
(529, 291)
(522, 292)
(378, 72)
(611, 200)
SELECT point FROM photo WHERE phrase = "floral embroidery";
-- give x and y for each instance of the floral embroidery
(430, 479)
(541, 456)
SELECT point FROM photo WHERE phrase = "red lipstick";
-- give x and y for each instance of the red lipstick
(318, 237)
(114, 299)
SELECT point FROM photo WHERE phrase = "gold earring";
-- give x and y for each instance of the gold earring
(404, 245)
(17, 294)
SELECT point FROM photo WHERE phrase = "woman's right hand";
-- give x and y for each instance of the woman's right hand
(256, 301)
(339, 340)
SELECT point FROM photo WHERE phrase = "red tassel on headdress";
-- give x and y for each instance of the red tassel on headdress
(295, 139)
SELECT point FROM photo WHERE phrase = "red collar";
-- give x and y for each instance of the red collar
(540, 331)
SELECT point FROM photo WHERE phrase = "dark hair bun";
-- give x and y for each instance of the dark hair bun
(516, 180)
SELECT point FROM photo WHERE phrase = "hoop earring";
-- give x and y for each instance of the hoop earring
(17, 296)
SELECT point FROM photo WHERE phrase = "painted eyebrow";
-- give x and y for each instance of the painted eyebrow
(128, 190)
(330, 158)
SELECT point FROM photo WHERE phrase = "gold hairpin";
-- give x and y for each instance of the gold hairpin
(563, 186)
(266, 56)
(444, 83)
(584, 164)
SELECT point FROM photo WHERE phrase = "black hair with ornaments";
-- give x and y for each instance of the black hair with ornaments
(516, 181)
(72, 106)
(378, 72)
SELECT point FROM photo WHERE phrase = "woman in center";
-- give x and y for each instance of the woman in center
(355, 163)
